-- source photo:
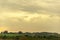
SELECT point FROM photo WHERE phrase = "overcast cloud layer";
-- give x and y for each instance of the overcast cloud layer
(30, 15)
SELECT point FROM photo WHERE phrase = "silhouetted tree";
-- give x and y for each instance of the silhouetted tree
(20, 32)
(5, 32)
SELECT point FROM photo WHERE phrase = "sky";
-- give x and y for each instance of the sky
(30, 15)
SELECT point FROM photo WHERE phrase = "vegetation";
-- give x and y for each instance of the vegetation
(29, 36)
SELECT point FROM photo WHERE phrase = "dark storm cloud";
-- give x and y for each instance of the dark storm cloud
(20, 6)
(34, 6)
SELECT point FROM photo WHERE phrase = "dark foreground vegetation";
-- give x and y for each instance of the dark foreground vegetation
(29, 36)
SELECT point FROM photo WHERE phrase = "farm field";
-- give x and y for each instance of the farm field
(30, 36)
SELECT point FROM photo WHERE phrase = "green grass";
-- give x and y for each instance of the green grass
(23, 37)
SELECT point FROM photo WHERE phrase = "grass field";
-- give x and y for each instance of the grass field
(39, 36)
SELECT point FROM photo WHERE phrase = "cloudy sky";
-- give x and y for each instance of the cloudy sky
(30, 15)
